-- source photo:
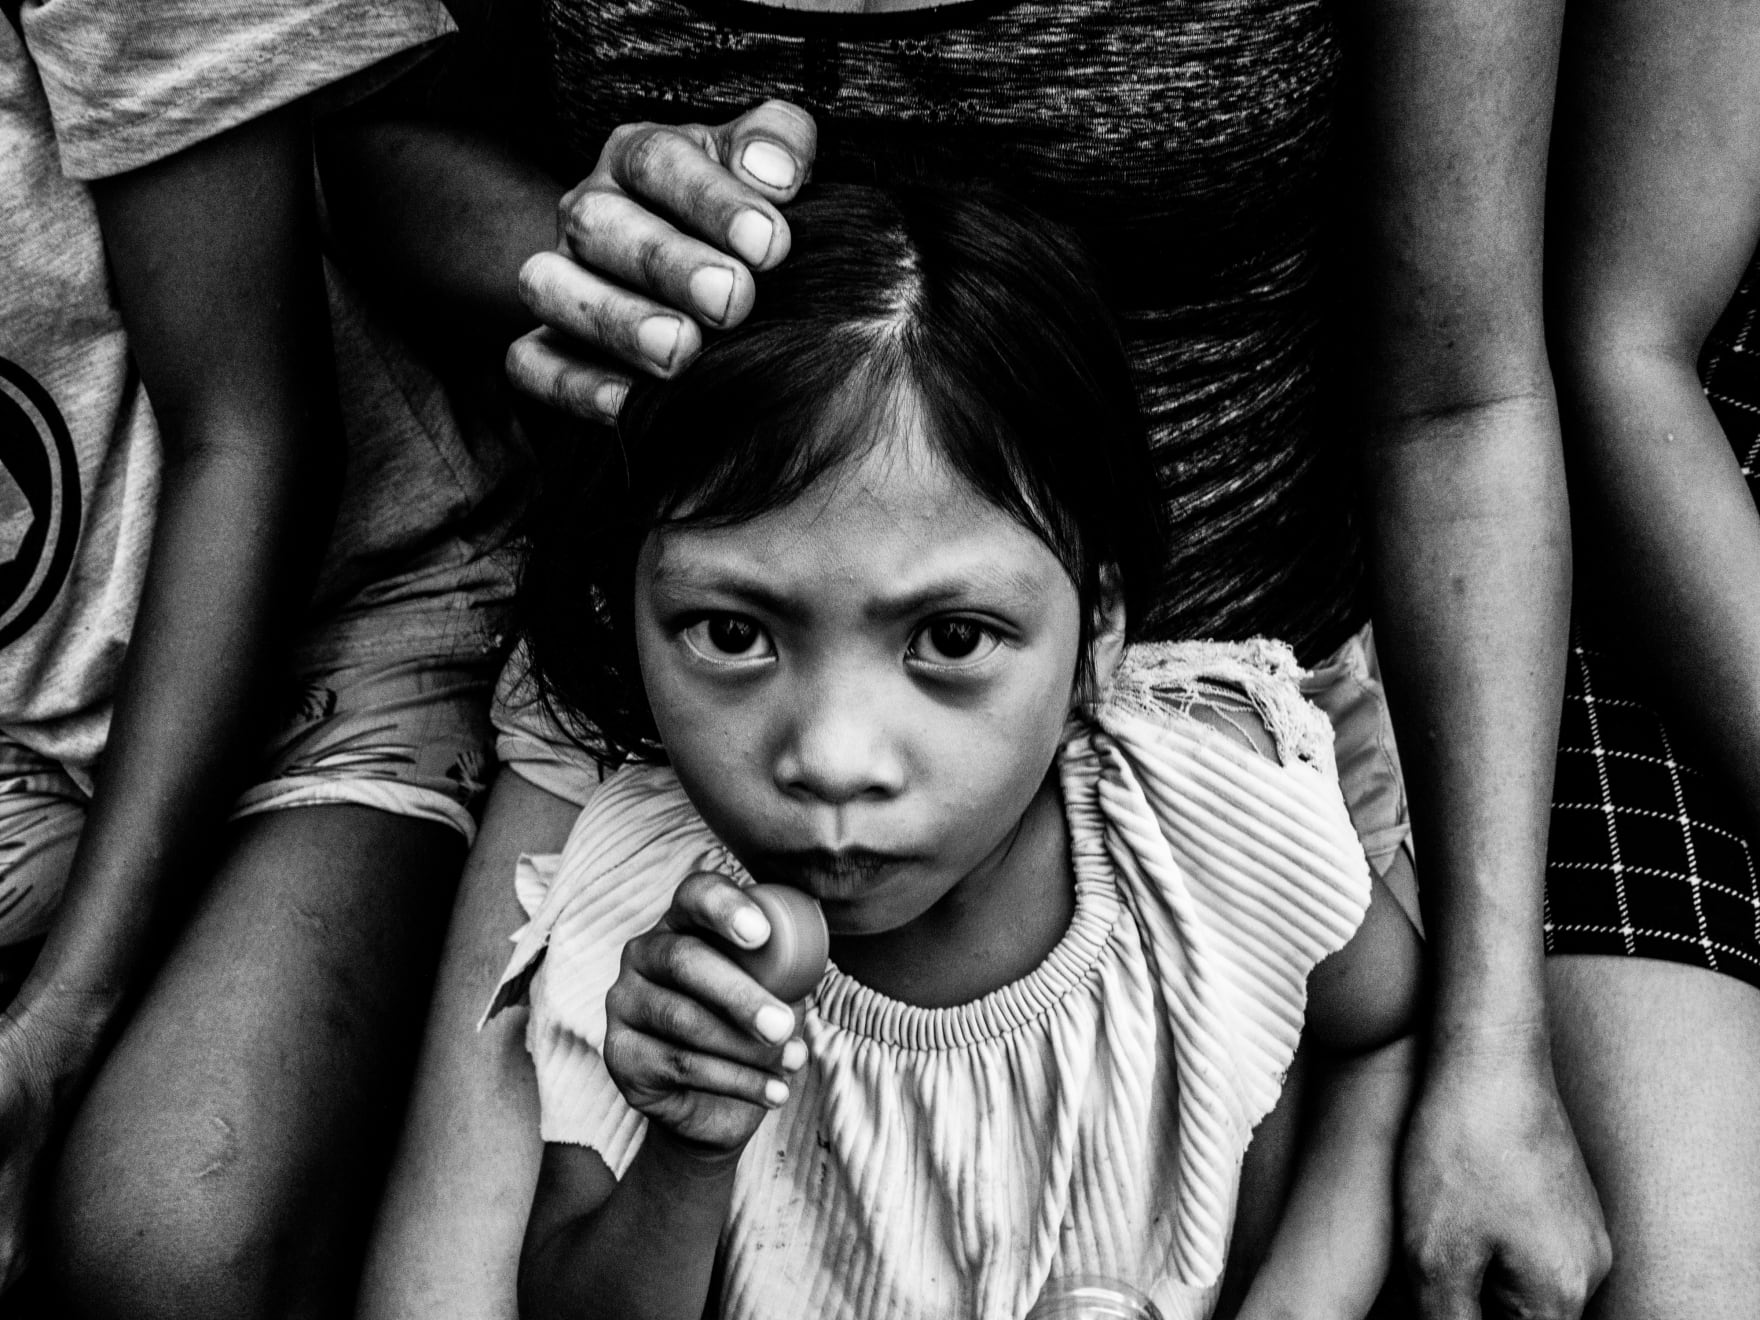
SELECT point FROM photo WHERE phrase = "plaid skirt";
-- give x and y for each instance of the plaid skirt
(1649, 855)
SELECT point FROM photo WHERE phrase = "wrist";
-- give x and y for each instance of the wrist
(1490, 982)
(687, 1161)
(65, 1025)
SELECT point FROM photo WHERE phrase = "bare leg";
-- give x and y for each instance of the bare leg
(228, 1155)
(448, 1237)
(1659, 1065)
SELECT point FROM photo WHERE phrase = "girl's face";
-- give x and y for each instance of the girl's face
(862, 692)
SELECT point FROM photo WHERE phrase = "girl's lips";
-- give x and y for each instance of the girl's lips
(831, 873)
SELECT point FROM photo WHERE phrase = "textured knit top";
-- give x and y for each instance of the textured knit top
(1089, 1118)
(1186, 140)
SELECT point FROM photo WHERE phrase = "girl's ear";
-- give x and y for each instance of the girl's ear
(1107, 647)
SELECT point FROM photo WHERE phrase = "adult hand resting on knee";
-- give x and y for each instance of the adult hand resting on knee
(1497, 1201)
(655, 245)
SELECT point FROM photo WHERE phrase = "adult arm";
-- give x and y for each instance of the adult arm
(431, 202)
(1656, 212)
(215, 260)
(1471, 581)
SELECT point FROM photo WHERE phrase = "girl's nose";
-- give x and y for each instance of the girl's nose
(838, 748)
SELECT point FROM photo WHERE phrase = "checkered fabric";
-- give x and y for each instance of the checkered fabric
(1649, 856)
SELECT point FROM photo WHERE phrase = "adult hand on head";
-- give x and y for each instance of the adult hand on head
(658, 242)
(1496, 1201)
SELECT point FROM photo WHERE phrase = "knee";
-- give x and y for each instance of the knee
(159, 1215)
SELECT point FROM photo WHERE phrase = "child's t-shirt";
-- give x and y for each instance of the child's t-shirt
(1088, 1119)
(91, 88)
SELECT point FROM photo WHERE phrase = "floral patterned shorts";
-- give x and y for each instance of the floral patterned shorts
(386, 706)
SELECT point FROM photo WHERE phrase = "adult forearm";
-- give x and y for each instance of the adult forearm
(230, 329)
(646, 1253)
(218, 607)
(438, 220)
(1472, 580)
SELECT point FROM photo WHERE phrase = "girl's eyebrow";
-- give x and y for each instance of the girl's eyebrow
(992, 584)
(986, 584)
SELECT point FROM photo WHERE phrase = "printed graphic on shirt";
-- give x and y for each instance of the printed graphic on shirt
(39, 500)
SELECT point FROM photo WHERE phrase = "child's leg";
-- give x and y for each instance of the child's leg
(227, 1158)
(448, 1237)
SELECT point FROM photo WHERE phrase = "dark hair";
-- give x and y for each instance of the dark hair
(989, 320)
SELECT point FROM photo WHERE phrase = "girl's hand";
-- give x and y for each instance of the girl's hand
(692, 1041)
(656, 243)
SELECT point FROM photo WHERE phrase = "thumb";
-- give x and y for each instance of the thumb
(771, 147)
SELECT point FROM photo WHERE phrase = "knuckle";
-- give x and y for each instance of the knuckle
(680, 1066)
(651, 259)
(674, 958)
(617, 146)
(675, 1019)
(584, 222)
(650, 157)
(1429, 1263)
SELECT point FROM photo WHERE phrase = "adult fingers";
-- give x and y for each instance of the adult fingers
(1446, 1276)
(1547, 1281)
(551, 368)
(1451, 1299)
(771, 147)
(721, 183)
(621, 239)
(636, 330)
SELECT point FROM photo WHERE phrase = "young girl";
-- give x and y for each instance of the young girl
(850, 602)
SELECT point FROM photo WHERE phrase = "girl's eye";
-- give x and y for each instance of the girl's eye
(954, 642)
(729, 639)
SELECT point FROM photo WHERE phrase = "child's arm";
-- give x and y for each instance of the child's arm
(215, 260)
(684, 1043)
(1330, 1252)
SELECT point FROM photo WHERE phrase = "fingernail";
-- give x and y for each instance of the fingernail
(657, 337)
(769, 164)
(775, 1093)
(608, 398)
(712, 291)
(750, 928)
(794, 1055)
(750, 236)
(774, 1023)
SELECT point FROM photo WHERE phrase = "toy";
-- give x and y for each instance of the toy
(790, 963)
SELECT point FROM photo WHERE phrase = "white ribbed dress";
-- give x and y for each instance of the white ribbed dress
(1090, 1118)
